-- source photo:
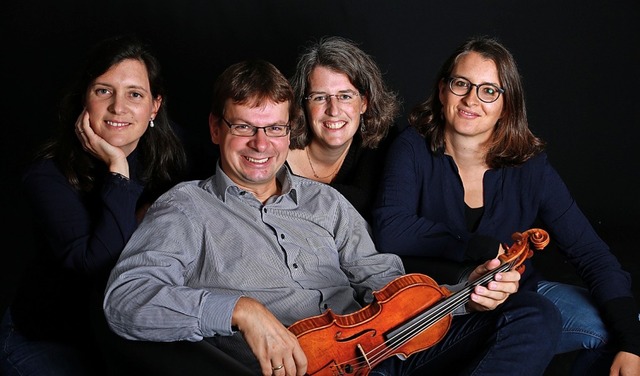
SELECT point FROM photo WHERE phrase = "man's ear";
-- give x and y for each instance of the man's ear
(214, 129)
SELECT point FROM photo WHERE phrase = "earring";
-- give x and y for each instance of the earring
(151, 123)
(363, 128)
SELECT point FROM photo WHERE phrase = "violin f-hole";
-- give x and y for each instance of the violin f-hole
(338, 335)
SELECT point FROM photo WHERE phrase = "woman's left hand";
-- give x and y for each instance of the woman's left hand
(485, 298)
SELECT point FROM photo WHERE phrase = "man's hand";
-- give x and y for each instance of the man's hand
(276, 348)
(488, 297)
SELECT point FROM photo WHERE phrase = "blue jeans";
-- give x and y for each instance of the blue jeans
(582, 328)
(22, 356)
(519, 337)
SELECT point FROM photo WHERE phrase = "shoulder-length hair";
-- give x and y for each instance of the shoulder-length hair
(512, 142)
(344, 56)
(161, 154)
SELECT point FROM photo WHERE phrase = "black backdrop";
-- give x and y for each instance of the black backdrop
(578, 60)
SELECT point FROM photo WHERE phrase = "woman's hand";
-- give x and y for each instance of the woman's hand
(625, 364)
(485, 298)
(112, 156)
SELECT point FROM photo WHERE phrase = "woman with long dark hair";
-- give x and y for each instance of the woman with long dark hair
(89, 187)
(469, 173)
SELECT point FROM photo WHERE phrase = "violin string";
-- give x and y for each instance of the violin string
(386, 348)
(438, 312)
(433, 315)
(413, 330)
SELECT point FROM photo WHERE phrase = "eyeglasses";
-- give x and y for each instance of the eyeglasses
(248, 130)
(488, 93)
(320, 99)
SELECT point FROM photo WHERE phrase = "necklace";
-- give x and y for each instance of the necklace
(314, 170)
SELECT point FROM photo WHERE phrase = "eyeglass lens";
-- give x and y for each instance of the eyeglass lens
(486, 92)
(248, 130)
(319, 98)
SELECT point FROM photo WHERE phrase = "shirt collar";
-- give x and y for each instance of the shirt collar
(222, 185)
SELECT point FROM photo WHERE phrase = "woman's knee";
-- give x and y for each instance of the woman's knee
(533, 309)
(582, 325)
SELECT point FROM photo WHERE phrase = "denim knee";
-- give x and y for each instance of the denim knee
(582, 326)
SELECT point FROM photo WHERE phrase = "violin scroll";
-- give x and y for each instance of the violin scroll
(521, 250)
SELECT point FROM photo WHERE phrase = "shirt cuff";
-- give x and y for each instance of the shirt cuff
(217, 312)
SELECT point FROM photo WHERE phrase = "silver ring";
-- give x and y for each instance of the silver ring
(277, 368)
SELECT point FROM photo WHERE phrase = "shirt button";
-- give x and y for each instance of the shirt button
(281, 236)
(265, 210)
(295, 265)
(325, 306)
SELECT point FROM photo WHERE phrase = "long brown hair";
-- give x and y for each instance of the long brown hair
(512, 142)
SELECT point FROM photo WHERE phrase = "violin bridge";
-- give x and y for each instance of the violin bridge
(364, 355)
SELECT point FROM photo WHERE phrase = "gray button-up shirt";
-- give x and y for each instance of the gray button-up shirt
(204, 244)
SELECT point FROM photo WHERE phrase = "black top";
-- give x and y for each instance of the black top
(359, 176)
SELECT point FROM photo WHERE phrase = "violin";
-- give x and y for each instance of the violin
(409, 314)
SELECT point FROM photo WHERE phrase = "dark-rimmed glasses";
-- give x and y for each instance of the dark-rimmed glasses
(488, 93)
(248, 130)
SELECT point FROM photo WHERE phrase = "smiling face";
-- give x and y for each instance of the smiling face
(467, 115)
(252, 162)
(334, 124)
(120, 104)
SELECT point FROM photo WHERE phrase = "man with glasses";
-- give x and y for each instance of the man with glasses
(237, 258)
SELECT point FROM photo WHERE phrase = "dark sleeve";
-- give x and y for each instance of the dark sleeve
(577, 239)
(396, 222)
(622, 316)
(608, 282)
(83, 236)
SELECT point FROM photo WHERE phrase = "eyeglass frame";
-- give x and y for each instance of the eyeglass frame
(328, 97)
(255, 128)
(498, 89)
